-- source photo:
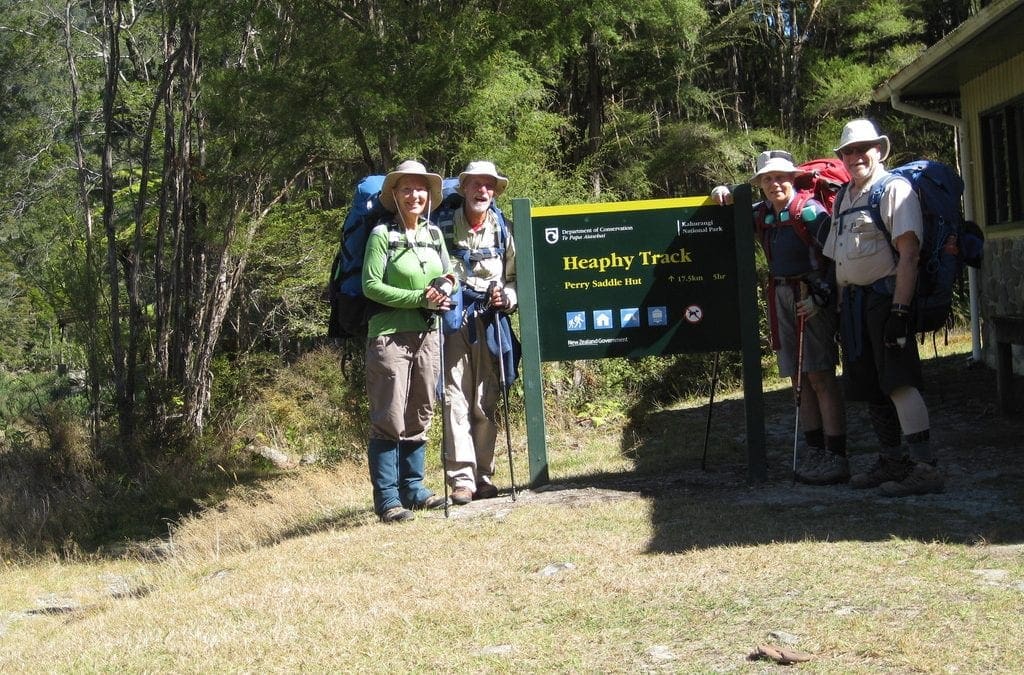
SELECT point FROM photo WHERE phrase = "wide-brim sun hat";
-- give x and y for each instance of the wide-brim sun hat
(775, 161)
(482, 168)
(409, 167)
(862, 131)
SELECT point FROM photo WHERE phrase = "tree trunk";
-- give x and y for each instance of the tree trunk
(124, 405)
(595, 107)
(89, 278)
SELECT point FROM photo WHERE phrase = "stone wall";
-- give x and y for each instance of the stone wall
(1002, 290)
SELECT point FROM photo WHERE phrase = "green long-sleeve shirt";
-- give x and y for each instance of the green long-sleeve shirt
(398, 281)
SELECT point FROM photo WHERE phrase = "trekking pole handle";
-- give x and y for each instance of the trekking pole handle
(444, 284)
(438, 293)
(502, 297)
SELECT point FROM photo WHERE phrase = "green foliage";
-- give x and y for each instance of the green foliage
(879, 22)
(839, 85)
(310, 408)
(694, 157)
(290, 261)
(604, 389)
(575, 102)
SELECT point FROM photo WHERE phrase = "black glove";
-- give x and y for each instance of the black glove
(438, 293)
(821, 291)
(501, 302)
(896, 329)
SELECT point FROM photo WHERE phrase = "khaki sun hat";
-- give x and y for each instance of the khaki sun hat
(862, 131)
(482, 168)
(775, 161)
(409, 167)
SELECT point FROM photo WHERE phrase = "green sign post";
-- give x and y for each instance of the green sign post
(655, 277)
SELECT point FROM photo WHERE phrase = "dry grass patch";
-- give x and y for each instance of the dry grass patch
(531, 588)
(257, 516)
(674, 570)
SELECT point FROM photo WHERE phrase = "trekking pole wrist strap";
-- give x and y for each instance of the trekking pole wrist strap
(900, 309)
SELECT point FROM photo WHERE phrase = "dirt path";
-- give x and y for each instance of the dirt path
(980, 450)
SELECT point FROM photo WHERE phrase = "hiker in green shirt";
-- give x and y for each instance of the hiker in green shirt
(407, 273)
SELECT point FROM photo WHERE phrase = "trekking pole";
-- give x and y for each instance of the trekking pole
(444, 414)
(711, 403)
(798, 386)
(504, 389)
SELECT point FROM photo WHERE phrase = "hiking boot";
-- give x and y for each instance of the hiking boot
(831, 469)
(886, 469)
(396, 514)
(809, 459)
(431, 502)
(462, 496)
(923, 479)
(485, 491)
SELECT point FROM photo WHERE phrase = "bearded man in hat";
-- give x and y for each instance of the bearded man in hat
(478, 332)
(876, 272)
(800, 301)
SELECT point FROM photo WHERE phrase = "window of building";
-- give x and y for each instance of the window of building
(1002, 155)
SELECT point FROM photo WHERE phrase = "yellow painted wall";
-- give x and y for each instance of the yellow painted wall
(1002, 274)
(996, 86)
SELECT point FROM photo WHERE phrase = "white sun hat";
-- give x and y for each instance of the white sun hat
(482, 168)
(409, 167)
(775, 161)
(862, 131)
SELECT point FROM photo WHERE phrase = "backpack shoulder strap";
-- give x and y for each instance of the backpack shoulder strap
(503, 230)
(761, 215)
(874, 199)
(840, 196)
(444, 215)
(875, 202)
(436, 236)
(761, 212)
(397, 241)
(796, 218)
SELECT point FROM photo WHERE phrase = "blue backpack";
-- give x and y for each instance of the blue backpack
(444, 217)
(350, 309)
(949, 243)
(501, 339)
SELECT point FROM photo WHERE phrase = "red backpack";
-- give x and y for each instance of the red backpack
(822, 181)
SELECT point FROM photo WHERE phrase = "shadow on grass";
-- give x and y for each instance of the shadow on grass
(979, 449)
(344, 519)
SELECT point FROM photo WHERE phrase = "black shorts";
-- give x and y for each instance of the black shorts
(873, 374)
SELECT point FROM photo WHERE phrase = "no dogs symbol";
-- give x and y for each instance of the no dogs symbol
(693, 314)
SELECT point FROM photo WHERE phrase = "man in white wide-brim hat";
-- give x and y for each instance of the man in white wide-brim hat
(478, 331)
(876, 252)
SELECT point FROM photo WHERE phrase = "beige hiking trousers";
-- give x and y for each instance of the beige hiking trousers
(472, 388)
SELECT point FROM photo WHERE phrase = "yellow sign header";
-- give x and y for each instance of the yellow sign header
(613, 207)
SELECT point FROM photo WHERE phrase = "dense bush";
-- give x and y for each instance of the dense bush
(313, 409)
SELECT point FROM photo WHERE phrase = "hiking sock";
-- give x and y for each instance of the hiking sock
(836, 444)
(815, 438)
(919, 447)
(886, 425)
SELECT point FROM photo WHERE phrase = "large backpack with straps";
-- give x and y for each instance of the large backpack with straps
(948, 243)
(444, 217)
(350, 309)
(822, 181)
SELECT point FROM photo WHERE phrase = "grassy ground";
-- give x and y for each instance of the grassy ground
(634, 559)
